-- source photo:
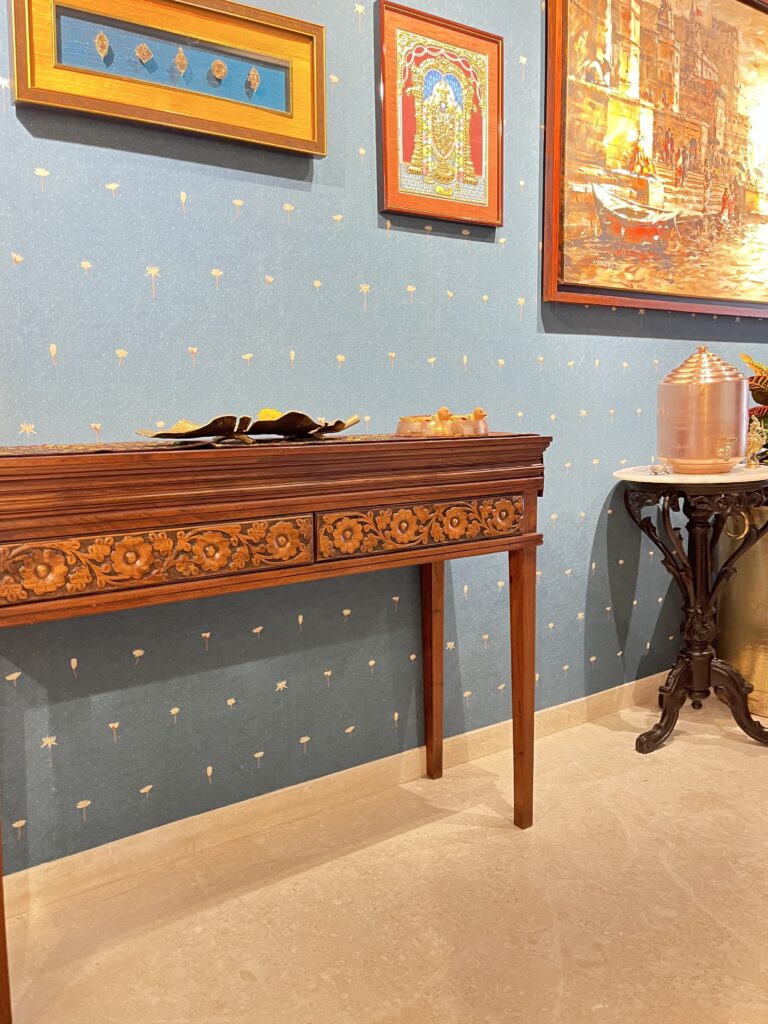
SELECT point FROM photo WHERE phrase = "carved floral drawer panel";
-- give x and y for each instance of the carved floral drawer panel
(363, 532)
(78, 565)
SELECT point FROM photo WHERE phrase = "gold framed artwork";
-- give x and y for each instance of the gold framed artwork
(442, 117)
(207, 66)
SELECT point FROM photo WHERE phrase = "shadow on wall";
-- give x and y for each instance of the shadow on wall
(274, 166)
(603, 321)
(644, 634)
(156, 696)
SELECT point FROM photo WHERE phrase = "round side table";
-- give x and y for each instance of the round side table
(708, 503)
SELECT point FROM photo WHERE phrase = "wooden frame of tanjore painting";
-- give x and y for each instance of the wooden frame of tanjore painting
(656, 178)
(207, 66)
(442, 117)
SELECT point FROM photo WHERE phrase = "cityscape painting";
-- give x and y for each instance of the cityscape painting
(657, 152)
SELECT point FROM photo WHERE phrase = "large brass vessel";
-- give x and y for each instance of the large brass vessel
(742, 617)
(702, 415)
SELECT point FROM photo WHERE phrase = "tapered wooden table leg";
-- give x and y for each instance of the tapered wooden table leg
(6, 1016)
(522, 615)
(432, 614)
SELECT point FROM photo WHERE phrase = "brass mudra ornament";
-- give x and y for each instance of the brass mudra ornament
(219, 70)
(253, 80)
(181, 62)
(101, 42)
(144, 53)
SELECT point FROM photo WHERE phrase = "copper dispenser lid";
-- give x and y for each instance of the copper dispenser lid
(703, 367)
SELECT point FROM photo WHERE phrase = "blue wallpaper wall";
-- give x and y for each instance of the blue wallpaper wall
(91, 340)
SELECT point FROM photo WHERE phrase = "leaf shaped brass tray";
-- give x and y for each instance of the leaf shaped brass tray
(223, 430)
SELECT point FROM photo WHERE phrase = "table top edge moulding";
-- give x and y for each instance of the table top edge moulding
(85, 529)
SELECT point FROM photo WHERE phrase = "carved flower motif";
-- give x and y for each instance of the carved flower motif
(43, 571)
(455, 522)
(132, 557)
(347, 535)
(504, 514)
(211, 551)
(282, 541)
(403, 527)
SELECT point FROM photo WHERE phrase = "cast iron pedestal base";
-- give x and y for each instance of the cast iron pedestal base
(698, 670)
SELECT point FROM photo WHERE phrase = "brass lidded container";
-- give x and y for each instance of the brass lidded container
(703, 412)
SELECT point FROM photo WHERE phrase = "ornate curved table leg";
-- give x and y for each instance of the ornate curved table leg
(733, 689)
(671, 698)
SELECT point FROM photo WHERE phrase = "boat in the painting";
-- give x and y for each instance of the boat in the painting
(630, 223)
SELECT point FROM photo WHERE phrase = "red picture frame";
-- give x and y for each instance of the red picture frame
(689, 160)
(442, 117)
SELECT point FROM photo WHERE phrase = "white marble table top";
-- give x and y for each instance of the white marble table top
(738, 475)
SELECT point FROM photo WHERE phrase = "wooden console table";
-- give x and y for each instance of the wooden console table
(96, 529)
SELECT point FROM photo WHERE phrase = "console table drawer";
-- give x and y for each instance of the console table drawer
(46, 569)
(362, 532)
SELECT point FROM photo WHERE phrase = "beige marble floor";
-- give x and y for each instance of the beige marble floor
(640, 895)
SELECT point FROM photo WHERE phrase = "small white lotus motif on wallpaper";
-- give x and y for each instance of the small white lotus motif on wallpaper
(153, 273)
(112, 187)
(13, 677)
(41, 173)
(82, 806)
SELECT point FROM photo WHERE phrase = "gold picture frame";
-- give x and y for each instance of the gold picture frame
(237, 72)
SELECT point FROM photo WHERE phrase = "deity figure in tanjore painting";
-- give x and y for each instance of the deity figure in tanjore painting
(442, 120)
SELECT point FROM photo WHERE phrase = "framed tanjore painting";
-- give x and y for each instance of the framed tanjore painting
(208, 66)
(442, 128)
(656, 182)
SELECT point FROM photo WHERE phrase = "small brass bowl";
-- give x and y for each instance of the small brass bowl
(433, 426)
